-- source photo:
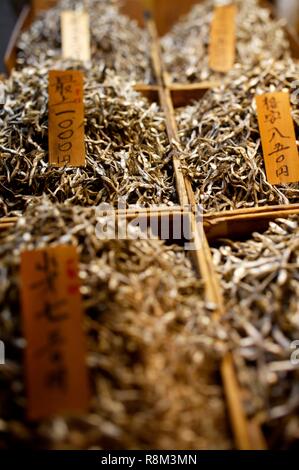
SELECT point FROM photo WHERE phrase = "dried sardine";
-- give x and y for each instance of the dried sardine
(117, 43)
(185, 47)
(152, 367)
(260, 279)
(127, 150)
(224, 157)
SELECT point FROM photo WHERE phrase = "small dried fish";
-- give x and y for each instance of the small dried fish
(117, 43)
(260, 279)
(224, 157)
(152, 367)
(186, 46)
(127, 149)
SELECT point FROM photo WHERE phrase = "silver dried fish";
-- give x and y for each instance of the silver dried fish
(117, 42)
(186, 46)
(263, 322)
(223, 151)
(127, 149)
(152, 368)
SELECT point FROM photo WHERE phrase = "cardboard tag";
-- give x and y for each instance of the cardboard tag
(222, 49)
(66, 118)
(57, 379)
(75, 35)
(278, 138)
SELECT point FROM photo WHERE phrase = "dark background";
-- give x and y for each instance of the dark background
(9, 10)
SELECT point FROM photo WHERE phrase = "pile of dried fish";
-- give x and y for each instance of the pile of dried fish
(186, 45)
(116, 41)
(127, 151)
(224, 157)
(260, 278)
(153, 373)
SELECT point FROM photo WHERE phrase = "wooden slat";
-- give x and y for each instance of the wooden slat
(156, 210)
(8, 219)
(166, 104)
(4, 227)
(240, 225)
(256, 436)
(182, 95)
(240, 424)
(7, 222)
(293, 40)
(150, 92)
(252, 210)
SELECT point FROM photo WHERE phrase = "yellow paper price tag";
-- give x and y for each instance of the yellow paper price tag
(222, 48)
(66, 118)
(75, 35)
(278, 138)
(56, 372)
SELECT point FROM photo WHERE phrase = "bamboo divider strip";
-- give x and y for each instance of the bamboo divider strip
(164, 102)
(8, 219)
(130, 212)
(239, 421)
(261, 215)
(183, 95)
(250, 211)
(151, 92)
(5, 226)
(238, 225)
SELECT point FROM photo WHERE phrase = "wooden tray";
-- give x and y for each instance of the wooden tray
(238, 229)
(181, 95)
(134, 9)
(247, 433)
(240, 426)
